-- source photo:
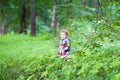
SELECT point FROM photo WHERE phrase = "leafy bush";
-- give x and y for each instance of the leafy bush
(95, 52)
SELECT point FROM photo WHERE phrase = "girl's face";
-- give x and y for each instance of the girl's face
(63, 35)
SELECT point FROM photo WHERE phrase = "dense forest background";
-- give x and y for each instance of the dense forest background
(29, 38)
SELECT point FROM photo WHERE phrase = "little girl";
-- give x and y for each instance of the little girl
(64, 45)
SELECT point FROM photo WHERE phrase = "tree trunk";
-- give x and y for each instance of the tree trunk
(1, 31)
(69, 12)
(32, 18)
(22, 27)
(84, 4)
(95, 3)
(54, 20)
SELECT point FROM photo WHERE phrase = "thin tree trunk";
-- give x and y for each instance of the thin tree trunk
(54, 21)
(1, 31)
(69, 12)
(22, 27)
(84, 4)
(95, 3)
(32, 16)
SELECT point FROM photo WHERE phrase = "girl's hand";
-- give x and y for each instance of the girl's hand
(63, 51)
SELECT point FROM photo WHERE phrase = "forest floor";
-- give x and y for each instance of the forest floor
(23, 44)
(35, 58)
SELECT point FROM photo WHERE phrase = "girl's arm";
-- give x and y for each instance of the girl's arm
(67, 45)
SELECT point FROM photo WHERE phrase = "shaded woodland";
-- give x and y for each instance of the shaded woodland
(29, 38)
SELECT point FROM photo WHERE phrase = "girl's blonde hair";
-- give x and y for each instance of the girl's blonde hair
(64, 31)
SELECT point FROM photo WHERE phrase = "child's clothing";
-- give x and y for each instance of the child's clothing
(64, 48)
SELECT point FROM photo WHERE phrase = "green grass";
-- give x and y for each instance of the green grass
(15, 45)
(21, 55)
(34, 58)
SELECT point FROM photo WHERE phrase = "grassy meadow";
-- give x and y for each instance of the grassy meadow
(16, 49)
(34, 58)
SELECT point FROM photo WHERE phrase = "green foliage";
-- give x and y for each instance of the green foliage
(21, 61)
(95, 49)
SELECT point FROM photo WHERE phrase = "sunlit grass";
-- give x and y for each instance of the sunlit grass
(15, 45)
